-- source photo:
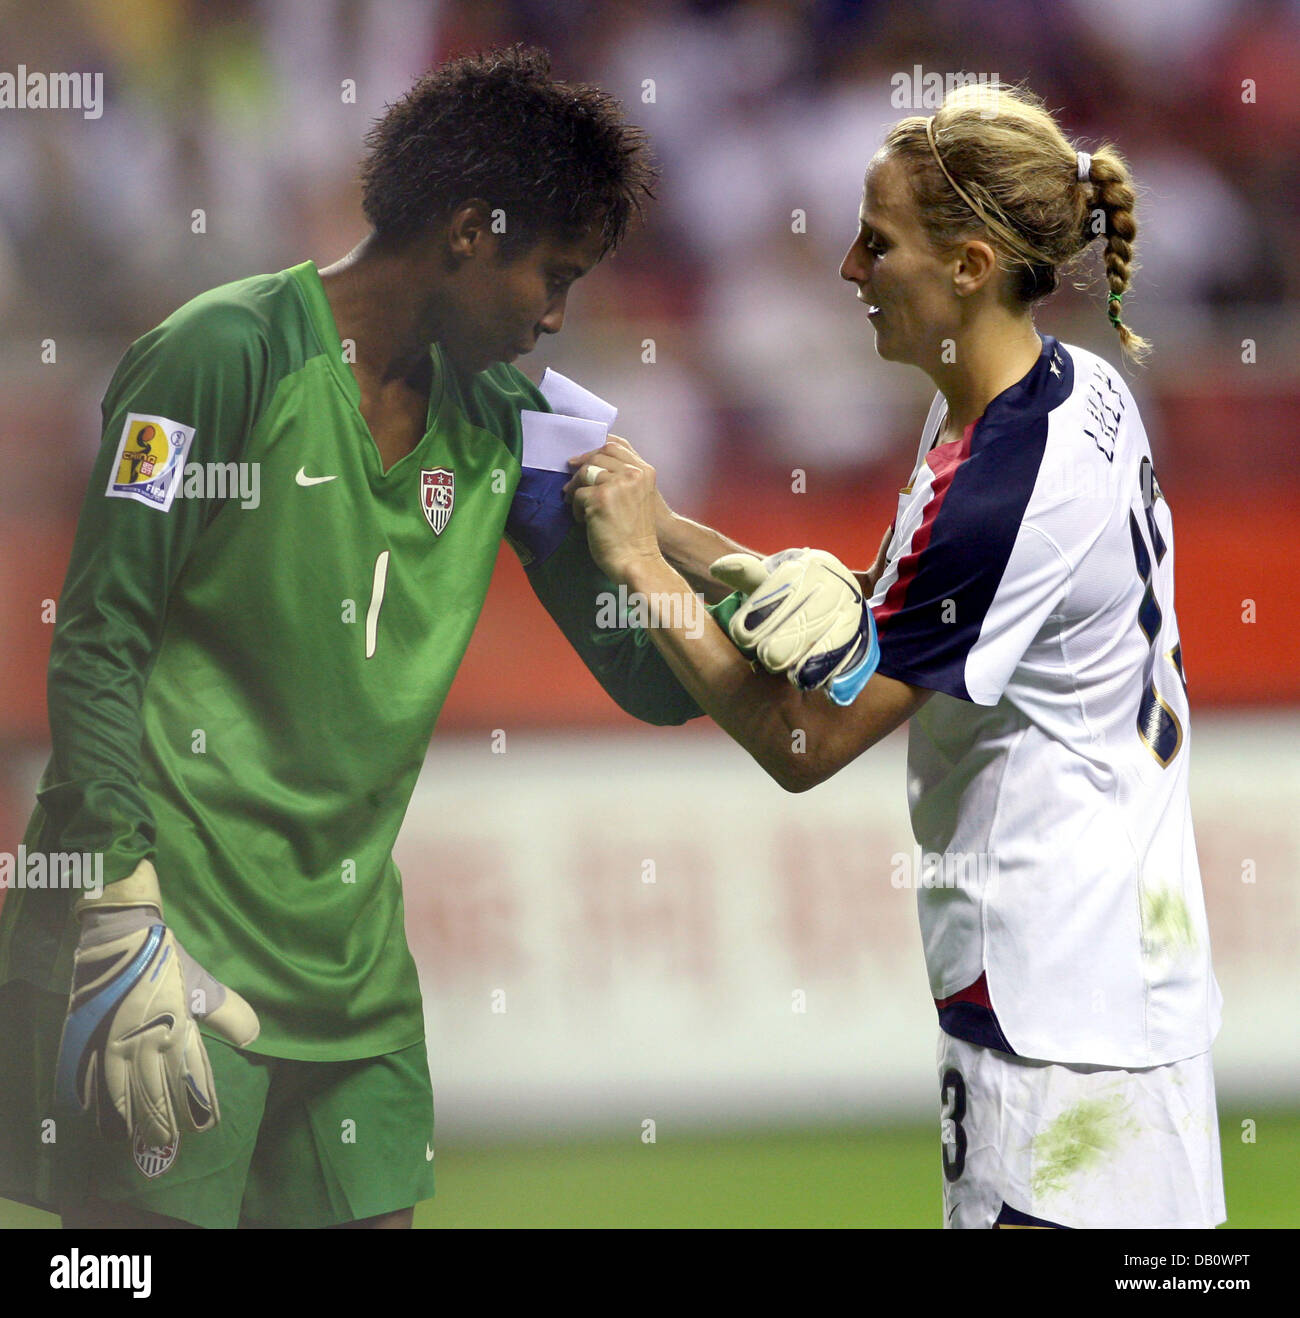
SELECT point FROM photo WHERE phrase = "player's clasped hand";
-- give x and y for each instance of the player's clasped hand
(131, 1049)
(613, 493)
(805, 616)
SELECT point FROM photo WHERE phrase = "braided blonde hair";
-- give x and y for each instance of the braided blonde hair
(992, 158)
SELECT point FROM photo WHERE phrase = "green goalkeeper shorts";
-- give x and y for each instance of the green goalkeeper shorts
(299, 1144)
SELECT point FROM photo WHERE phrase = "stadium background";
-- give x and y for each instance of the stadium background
(570, 998)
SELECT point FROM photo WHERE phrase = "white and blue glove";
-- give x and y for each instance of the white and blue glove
(805, 616)
(131, 1050)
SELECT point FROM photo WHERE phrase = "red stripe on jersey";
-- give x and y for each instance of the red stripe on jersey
(977, 993)
(943, 462)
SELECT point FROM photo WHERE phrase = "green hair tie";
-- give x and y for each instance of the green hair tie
(1118, 300)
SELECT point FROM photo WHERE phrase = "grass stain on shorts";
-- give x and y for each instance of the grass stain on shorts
(1081, 1137)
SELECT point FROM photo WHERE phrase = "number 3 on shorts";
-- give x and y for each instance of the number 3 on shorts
(952, 1093)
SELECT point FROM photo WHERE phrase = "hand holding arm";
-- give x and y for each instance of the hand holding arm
(798, 737)
(689, 546)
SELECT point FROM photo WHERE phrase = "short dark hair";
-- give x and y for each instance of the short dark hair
(557, 157)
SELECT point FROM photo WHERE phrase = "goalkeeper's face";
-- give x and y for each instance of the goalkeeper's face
(501, 305)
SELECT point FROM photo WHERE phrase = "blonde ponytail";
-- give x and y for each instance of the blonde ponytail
(1116, 198)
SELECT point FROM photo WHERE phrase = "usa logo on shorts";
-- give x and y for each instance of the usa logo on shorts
(154, 1161)
(437, 494)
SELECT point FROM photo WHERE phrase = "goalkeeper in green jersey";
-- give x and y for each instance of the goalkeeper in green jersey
(242, 691)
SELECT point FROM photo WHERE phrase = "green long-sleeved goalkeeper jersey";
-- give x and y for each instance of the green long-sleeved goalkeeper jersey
(243, 685)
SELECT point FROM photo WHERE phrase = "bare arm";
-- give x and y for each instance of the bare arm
(799, 737)
(690, 547)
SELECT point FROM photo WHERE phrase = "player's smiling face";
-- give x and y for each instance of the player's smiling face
(505, 304)
(905, 284)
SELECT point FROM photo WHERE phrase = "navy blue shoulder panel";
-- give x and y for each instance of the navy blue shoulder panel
(934, 612)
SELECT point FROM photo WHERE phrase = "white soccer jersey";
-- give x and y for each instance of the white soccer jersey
(1030, 584)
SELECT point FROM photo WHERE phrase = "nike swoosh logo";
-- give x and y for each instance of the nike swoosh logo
(303, 479)
(166, 1019)
(852, 585)
(428, 1153)
(758, 611)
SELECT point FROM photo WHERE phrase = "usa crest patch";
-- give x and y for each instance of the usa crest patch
(149, 460)
(153, 1161)
(437, 496)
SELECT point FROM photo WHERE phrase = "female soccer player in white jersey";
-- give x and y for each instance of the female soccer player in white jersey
(1024, 603)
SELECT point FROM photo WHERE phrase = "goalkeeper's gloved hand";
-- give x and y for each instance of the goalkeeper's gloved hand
(131, 1049)
(805, 617)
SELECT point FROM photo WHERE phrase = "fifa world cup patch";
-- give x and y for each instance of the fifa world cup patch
(437, 495)
(155, 1160)
(149, 461)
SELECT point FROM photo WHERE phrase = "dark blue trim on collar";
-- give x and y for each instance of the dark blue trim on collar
(1049, 383)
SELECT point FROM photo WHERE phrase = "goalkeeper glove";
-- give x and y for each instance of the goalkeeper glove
(131, 1049)
(805, 617)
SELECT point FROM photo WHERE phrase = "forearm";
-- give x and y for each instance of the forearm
(798, 736)
(690, 547)
(790, 733)
(91, 798)
(110, 620)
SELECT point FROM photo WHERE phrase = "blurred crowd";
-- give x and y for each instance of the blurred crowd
(761, 112)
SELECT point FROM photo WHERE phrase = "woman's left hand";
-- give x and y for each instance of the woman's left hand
(613, 493)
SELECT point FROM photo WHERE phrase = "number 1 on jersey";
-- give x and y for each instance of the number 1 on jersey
(376, 602)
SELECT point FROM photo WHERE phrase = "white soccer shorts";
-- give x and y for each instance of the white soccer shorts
(1040, 1144)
